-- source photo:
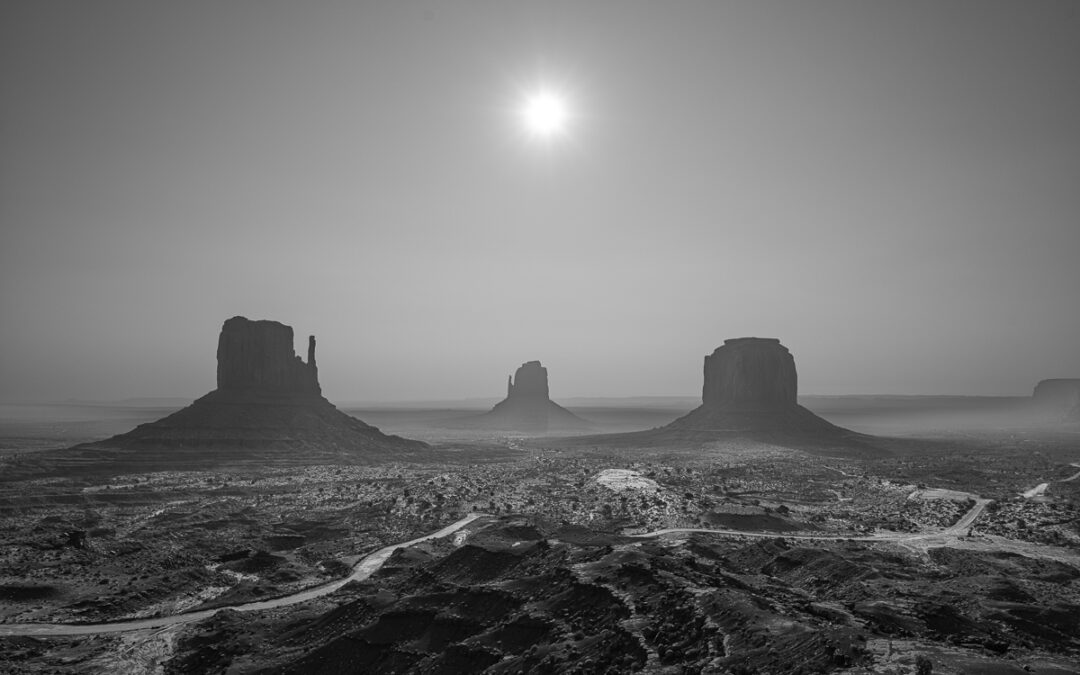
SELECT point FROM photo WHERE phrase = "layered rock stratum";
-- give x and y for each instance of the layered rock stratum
(527, 407)
(1057, 400)
(267, 400)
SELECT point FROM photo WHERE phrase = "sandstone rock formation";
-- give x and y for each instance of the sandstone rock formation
(750, 388)
(258, 355)
(527, 407)
(268, 400)
(750, 374)
(1057, 400)
(529, 382)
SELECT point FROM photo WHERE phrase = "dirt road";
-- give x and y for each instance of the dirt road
(363, 569)
(369, 564)
(959, 528)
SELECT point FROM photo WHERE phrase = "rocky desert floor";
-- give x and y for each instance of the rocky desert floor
(958, 552)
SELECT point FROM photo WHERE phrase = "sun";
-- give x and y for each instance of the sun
(544, 114)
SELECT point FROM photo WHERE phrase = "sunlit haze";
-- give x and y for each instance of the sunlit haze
(544, 113)
(890, 188)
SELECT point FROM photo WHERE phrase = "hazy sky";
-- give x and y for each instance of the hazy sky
(891, 188)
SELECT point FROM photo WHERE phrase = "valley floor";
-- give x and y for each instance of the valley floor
(731, 557)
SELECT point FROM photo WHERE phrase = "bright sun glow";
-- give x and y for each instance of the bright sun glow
(544, 114)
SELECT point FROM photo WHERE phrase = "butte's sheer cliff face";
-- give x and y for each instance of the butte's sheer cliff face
(258, 355)
(530, 382)
(750, 374)
(527, 407)
(267, 400)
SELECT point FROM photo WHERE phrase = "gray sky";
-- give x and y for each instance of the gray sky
(891, 188)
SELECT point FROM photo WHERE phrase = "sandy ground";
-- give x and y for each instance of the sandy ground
(625, 479)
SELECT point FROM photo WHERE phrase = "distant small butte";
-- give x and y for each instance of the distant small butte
(527, 407)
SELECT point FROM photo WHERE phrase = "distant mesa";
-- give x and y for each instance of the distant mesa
(750, 391)
(530, 381)
(267, 399)
(1057, 401)
(527, 407)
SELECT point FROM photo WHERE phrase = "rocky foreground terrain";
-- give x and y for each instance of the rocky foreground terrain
(839, 565)
(521, 595)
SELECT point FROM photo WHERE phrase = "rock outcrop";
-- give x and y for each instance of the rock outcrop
(268, 400)
(750, 374)
(1057, 400)
(751, 387)
(527, 407)
(258, 355)
(530, 381)
(750, 392)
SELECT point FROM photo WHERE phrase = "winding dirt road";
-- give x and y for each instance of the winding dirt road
(959, 528)
(363, 569)
(1042, 487)
(372, 562)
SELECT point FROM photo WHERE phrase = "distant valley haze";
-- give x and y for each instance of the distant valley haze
(891, 189)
